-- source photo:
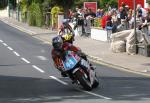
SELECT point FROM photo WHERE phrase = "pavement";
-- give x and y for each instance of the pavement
(98, 51)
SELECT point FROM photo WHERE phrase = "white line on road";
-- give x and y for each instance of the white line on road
(16, 53)
(37, 68)
(25, 60)
(91, 93)
(5, 44)
(60, 81)
(1, 41)
(9, 48)
(42, 58)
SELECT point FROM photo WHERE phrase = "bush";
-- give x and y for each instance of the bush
(97, 22)
(35, 15)
(23, 5)
(54, 12)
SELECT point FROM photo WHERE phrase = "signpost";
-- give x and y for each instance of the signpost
(130, 3)
(91, 5)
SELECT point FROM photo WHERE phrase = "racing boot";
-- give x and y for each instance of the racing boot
(63, 74)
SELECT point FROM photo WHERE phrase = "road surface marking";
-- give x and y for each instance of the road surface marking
(1, 41)
(91, 93)
(60, 81)
(16, 53)
(9, 48)
(37, 68)
(94, 94)
(25, 60)
(5, 44)
(42, 51)
(42, 58)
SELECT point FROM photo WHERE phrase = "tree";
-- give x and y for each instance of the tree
(112, 3)
(35, 15)
(62, 3)
(3, 4)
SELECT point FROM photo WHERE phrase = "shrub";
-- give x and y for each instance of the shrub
(54, 12)
(35, 15)
(23, 7)
(97, 22)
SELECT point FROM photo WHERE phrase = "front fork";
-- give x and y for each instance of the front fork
(88, 74)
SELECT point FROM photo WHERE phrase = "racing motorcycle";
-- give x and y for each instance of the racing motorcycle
(80, 71)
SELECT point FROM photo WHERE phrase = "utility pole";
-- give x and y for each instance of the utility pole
(135, 35)
(9, 8)
(18, 7)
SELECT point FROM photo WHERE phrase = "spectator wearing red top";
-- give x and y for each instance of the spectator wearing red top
(106, 19)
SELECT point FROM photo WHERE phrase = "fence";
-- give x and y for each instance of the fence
(15, 14)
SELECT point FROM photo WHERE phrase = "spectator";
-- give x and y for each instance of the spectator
(99, 13)
(90, 14)
(130, 16)
(70, 14)
(124, 16)
(104, 19)
(141, 12)
(145, 23)
(115, 18)
(123, 13)
(110, 25)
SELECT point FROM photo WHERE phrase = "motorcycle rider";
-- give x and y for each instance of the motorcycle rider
(58, 52)
(66, 31)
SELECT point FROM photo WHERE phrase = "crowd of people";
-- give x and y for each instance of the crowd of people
(118, 19)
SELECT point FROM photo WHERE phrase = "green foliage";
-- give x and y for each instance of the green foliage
(23, 7)
(97, 22)
(113, 3)
(35, 15)
(46, 3)
(38, 1)
(54, 11)
(104, 3)
(78, 3)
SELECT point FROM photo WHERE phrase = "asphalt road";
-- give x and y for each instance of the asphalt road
(27, 75)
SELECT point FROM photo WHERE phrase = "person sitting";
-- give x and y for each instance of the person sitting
(145, 23)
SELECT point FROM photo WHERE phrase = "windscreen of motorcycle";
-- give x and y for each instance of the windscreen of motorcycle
(70, 61)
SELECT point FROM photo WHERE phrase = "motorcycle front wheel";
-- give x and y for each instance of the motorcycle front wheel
(84, 81)
(96, 82)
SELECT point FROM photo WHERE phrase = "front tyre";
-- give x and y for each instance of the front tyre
(96, 82)
(85, 83)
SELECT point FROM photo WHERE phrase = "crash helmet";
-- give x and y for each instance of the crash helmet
(57, 43)
(65, 22)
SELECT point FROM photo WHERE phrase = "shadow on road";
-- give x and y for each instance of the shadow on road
(126, 88)
(35, 90)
